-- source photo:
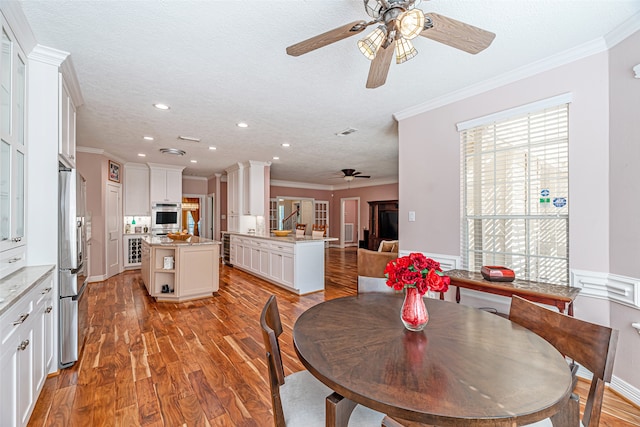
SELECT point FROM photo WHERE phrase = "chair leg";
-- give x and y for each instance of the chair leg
(338, 410)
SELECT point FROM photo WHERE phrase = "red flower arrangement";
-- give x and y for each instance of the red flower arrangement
(416, 271)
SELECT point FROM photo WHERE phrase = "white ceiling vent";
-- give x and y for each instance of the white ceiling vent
(347, 131)
(189, 138)
(173, 151)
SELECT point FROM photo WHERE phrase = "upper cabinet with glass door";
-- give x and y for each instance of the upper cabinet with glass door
(12, 141)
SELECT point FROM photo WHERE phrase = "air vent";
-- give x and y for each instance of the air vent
(347, 131)
(173, 151)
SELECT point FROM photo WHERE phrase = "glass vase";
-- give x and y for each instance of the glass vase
(414, 313)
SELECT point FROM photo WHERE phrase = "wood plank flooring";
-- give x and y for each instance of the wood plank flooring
(198, 363)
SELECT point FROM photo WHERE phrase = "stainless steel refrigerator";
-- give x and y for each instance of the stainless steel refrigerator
(72, 265)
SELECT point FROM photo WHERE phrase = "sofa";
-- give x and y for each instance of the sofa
(371, 265)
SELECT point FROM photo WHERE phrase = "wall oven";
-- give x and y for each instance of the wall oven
(165, 218)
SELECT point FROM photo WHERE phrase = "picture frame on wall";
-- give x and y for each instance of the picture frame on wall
(114, 171)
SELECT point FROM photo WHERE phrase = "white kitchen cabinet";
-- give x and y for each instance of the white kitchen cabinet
(296, 266)
(246, 194)
(136, 190)
(13, 150)
(67, 137)
(165, 183)
(26, 351)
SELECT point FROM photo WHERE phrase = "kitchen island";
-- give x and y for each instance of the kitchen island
(294, 263)
(175, 270)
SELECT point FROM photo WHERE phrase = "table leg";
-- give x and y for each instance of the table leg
(338, 410)
(458, 294)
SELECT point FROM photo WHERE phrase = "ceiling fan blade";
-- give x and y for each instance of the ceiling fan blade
(327, 38)
(380, 66)
(362, 176)
(457, 34)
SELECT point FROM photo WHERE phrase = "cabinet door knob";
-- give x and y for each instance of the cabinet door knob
(21, 320)
(48, 309)
(16, 239)
(46, 290)
(12, 260)
(23, 345)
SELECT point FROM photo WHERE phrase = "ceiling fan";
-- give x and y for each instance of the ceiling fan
(399, 22)
(350, 174)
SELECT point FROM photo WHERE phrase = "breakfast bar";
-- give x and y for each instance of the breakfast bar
(180, 270)
(295, 263)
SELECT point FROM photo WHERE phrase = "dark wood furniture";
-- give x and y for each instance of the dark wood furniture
(467, 368)
(300, 397)
(592, 346)
(380, 214)
(545, 293)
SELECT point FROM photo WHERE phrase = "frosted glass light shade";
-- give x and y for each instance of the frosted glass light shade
(411, 23)
(369, 45)
(404, 50)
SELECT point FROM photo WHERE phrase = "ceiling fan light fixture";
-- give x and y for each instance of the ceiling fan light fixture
(411, 23)
(349, 178)
(404, 50)
(373, 8)
(369, 45)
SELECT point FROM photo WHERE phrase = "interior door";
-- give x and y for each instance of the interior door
(113, 230)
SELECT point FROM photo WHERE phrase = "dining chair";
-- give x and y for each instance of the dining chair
(299, 399)
(301, 229)
(587, 344)
(319, 228)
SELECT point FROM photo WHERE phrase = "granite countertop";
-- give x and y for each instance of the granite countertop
(165, 241)
(291, 238)
(14, 286)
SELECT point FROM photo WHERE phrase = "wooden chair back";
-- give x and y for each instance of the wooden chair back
(319, 227)
(271, 331)
(301, 227)
(592, 346)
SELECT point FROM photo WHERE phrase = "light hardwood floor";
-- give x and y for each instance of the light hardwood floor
(198, 363)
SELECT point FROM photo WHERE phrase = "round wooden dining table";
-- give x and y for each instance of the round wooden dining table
(466, 368)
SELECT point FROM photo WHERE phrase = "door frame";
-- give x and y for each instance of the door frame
(342, 203)
(203, 215)
(118, 220)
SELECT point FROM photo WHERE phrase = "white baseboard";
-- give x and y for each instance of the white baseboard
(100, 278)
(619, 386)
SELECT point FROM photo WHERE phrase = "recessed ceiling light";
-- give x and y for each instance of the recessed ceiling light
(161, 106)
(276, 158)
(174, 151)
(142, 155)
(286, 145)
(212, 148)
(194, 161)
(242, 125)
(147, 138)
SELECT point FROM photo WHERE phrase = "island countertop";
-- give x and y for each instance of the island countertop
(291, 238)
(165, 241)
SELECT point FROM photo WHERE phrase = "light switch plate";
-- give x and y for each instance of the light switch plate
(412, 216)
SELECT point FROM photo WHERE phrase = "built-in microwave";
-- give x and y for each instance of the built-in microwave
(165, 218)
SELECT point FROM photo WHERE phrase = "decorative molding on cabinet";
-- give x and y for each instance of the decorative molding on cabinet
(14, 15)
(48, 55)
(71, 79)
(612, 287)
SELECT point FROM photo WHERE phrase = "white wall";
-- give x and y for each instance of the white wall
(429, 155)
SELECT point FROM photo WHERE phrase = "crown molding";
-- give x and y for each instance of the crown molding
(20, 27)
(163, 166)
(90, 150)
(195, 178)
(579, 52)
(71, 79)
(48, 55)
(623, 31)
(305, 185)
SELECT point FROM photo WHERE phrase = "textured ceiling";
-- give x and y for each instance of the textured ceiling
(220, 62)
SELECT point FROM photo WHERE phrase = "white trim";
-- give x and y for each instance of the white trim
(19, 25)
(612, 287)
(447, 262)
(623, 31)
(100, 278)
(48, 55)
(195, 178)
(342, 186)
(582, 51)
(542, 104)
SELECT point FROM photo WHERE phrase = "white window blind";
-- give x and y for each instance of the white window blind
(515, 176)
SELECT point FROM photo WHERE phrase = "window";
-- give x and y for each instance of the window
(515, 175)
